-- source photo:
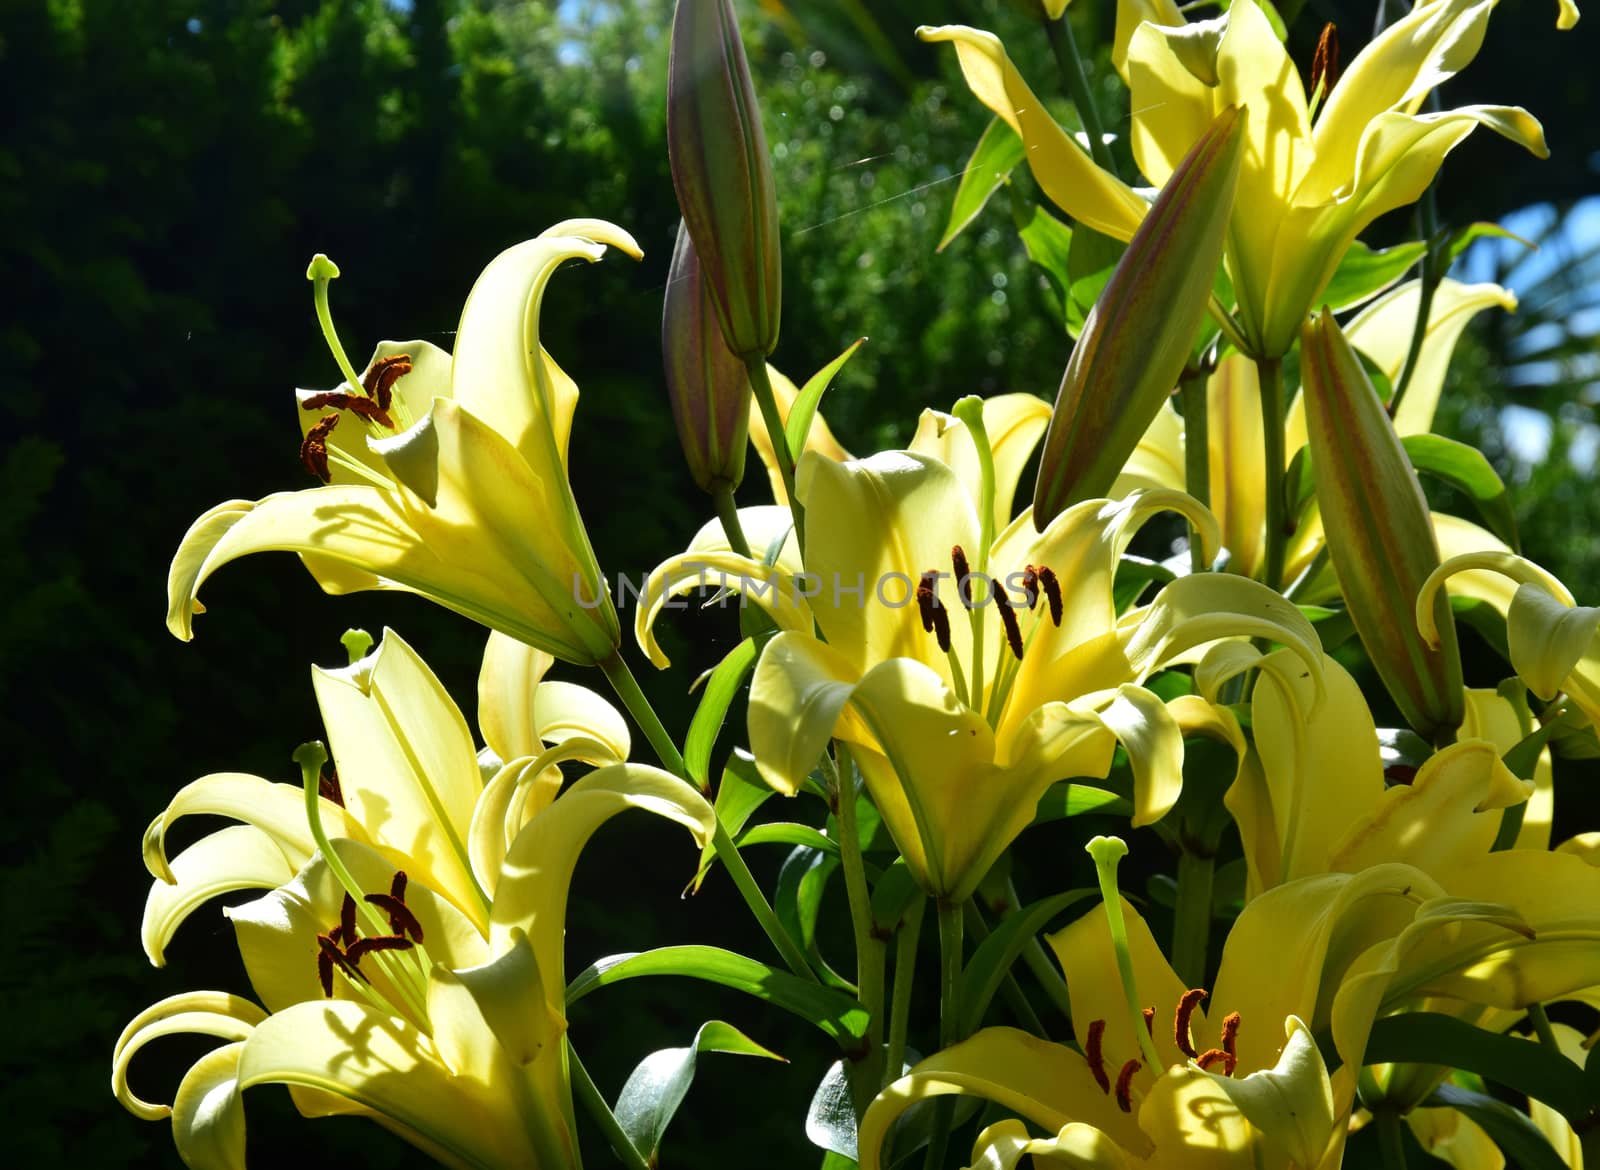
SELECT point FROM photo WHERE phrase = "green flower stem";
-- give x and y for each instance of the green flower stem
(1541, 1026)
(1043, 968)
(761, 387)
(1009, 987)
(1391, 1141)
(1434, 264)
(1191, 926)
(1065, 47)
(627, 689)
(1107, 852)
(594, 1104)
(1196, 452)
(1270, 373)
(728, 513)
(870, 946)
(905, 979)
(952, 918)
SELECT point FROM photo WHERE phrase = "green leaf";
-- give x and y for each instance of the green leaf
(1480, 230)
(835, 1013)
(995, 955)
(1070, 800)
(724, 684)
(805, 403)
(788, 833)
(1518, 1138)
(1527, 1067)
(740, 793)
(997, 154)
(802, 883)
(1466, 469)
(657, 1087)
(831, 1116)
(1363, 273)
(1048, 243)
(1134, 575)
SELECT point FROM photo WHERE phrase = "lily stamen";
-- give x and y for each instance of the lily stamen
(345, 933)
(1230, 1035)
(1052, 592)
(1213, 1056)
(1325, 61)
(401, 920)
(1008, 618)
(1180, 1023)
(330, 955)
(963, 572)
(381, 376)
(363, 408)
(1093, 1054)
(1150, 1022)
(1125, 1085)
(314, 447)
(935, 618)
(1030, 585)
(381, 942)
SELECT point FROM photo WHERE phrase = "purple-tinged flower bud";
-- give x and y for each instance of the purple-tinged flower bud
(723, 175)
(1379, 530)
(1137, 337)
(708, 386)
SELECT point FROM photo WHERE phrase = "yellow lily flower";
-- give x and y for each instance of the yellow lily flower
(451, 479)
(1237, 479)
(1306, 190)
(407, 782)
(1554, 642)
(960, 716)
(393, 986)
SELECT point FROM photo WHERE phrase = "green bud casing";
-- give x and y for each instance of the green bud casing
(1379, 530)
(723, 175)
(1138, 336)
(707, 384)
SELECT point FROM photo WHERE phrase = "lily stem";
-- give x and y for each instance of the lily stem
(905, 979)
(1196, 453)
(588, 1094)
(870, 945)
(1191, 925)
(627, 689)
(761, 387)
(728, 513)
(1270, 373)
(1391, 1141)
(1065, 47)
(1542, 1028)
(952, 919)
(1434, 264)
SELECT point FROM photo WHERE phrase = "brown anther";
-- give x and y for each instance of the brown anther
(378, 942)
(345, 933)
(927, 599)
(401, 919)
(1125, 1085)
(958, 561)
(1325, 62)
(1213, 1056)
(1180, 1023)
(1008, 618)
(1092, 1054)
(1149, 1015)
(329, 956)
(1052, 592)
(381, 376)
(1230, 1034)
(314, 447)
(1030, 585)
(364, 408)
(328, 788)
(397, 885)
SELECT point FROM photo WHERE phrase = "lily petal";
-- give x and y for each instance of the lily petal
(1063, 169)
(522, 714)
(1290, 1103)
(1014, 423)
(240, 857)
(1047, 1083)
(208, 1013)
(207, 1113)
(1078, 1147)
(1550, 641)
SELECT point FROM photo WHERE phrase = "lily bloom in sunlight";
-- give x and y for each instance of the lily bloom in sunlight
(444, 474)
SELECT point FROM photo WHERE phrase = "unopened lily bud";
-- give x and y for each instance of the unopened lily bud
(1138, 335)
(722, 173)
(1379, 530)
(708, 386)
